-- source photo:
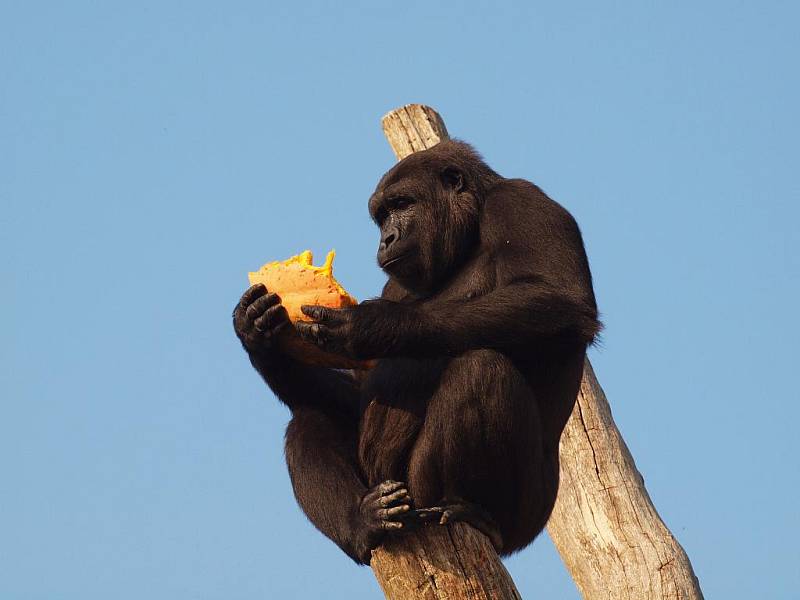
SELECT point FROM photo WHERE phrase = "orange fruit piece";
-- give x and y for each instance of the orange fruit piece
(297, 281)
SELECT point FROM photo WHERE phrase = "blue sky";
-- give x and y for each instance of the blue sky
(153, 153)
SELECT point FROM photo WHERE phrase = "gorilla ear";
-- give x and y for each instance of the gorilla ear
(453, 179)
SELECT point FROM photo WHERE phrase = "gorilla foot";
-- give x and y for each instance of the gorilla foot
(384, 509)
(384, 506)
(467, 512)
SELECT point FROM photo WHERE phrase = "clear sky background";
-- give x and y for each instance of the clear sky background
(154, 152)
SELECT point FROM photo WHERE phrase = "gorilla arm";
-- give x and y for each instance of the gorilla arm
(258, 319)
(511, 316)
(514, 315)
(542, 289)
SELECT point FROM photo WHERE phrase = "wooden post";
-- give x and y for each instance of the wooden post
(604, 524)
(452, 562)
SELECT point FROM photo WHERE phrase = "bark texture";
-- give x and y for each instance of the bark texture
(604, 524)
(412, 128)
(454, 561)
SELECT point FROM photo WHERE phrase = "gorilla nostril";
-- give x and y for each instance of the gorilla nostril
(389, 238)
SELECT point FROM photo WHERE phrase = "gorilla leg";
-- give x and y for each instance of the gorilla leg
(480, 457)
(321, 455)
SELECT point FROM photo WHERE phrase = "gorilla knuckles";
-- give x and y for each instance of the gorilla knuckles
(357, 332)
(258, 318)
(481, 332)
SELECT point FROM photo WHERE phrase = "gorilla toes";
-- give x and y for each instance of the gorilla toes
(467, 512)
(384, 506)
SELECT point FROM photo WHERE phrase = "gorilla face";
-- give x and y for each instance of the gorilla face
(399, 207)
(427, 212)
(401, 246)
(397, 218)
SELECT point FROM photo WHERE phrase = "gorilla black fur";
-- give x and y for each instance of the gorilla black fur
(480, 336)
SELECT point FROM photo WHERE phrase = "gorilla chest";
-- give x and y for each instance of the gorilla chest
(476, 278)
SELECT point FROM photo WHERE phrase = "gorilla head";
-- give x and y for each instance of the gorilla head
(427, 208)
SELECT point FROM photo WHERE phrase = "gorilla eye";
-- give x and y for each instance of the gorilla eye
(401, 203)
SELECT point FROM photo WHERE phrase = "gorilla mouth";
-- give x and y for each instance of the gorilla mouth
(393, 261)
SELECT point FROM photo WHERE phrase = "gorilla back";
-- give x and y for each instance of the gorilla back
(480, 335)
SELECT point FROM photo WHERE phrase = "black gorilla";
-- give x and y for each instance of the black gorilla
(480, 336)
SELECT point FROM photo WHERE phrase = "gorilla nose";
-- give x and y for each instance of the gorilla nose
(389, 238)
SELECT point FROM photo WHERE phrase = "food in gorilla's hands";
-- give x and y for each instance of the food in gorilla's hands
(297, 281)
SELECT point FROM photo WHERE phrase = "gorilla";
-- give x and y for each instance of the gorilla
(479, 339)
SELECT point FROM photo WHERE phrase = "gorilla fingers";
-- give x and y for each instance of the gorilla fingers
(258, 318)
(372, 329)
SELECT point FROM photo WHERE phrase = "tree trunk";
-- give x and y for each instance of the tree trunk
(604, 524)
(452, 562)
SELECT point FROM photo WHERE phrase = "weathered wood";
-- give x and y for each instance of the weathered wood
(604, 524)
(412, 128)
(453, 562)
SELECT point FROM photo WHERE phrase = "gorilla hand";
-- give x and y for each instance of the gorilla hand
(369, 330)
(258, 318)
